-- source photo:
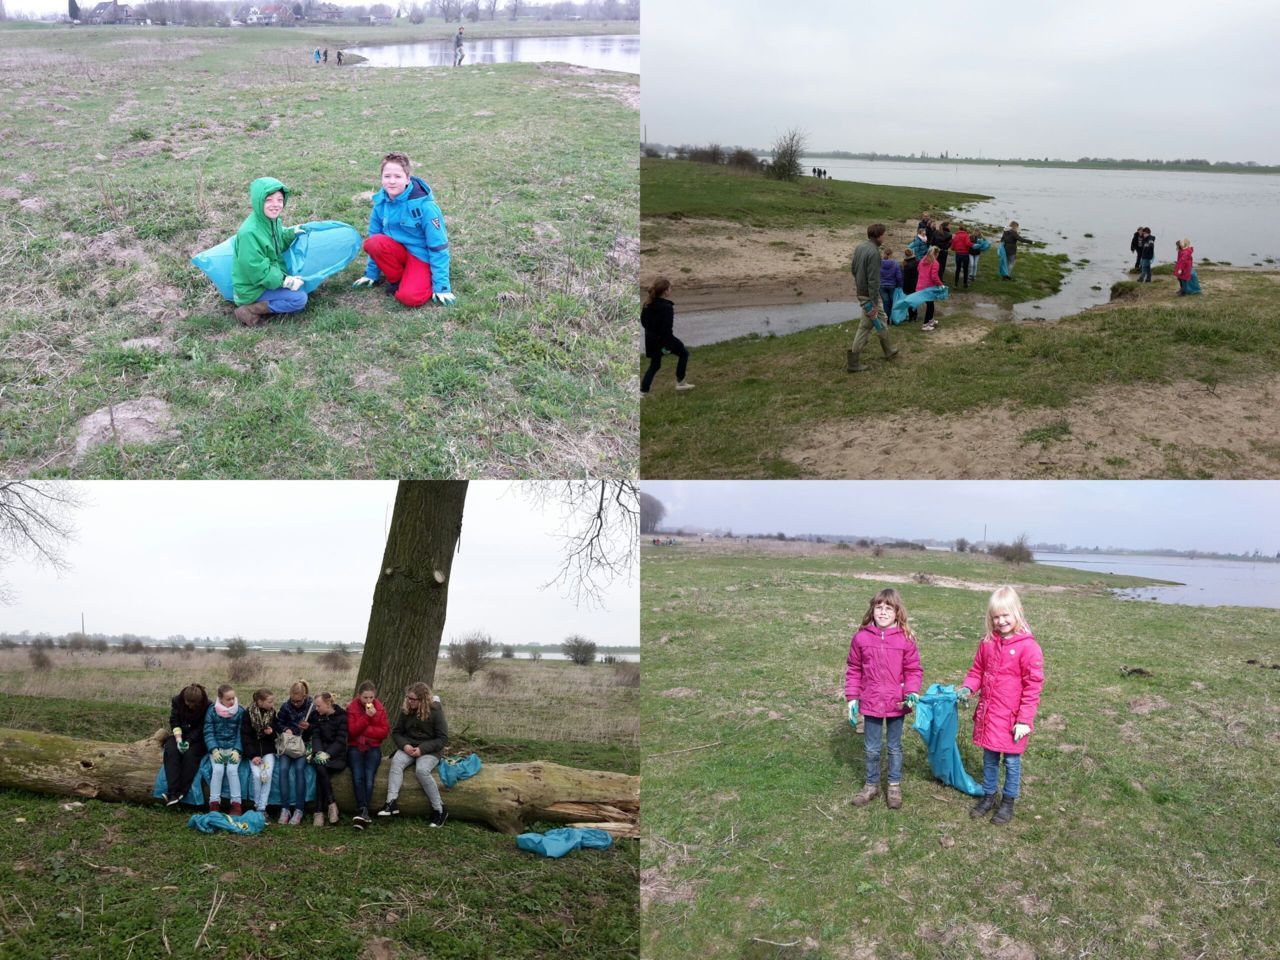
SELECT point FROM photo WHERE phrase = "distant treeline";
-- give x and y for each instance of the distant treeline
(138, 643)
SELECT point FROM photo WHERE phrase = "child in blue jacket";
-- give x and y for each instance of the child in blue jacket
(222, 738)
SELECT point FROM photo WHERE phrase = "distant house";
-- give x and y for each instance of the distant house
(274, 13)
(325, 11)
(110, 12)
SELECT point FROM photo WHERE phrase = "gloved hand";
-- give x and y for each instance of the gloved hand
(299, 229)
(322, 758)
(292, 283)
(444, 299)
(233, 756)
(215, 756)
(265, 775)
(911, 701)
(177, 733)
(362, 283)
(183, 746)
(1020, 730)
(853, 712)
(963, 694)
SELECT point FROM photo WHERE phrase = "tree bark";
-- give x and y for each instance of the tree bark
(507, 796)
(409, 601)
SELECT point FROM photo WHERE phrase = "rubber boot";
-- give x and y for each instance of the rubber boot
(866, 795)
(236, 809)
(1005, 813)
(894, 796)
(251, 314)
(983, 806)
(890, 351)
(852, 364)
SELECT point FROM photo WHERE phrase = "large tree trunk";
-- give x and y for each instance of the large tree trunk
(507, 796)
(409, 601)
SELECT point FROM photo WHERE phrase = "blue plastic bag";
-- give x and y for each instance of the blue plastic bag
(1193, 284)
(556, 843)
(1004, 262)
(938, 723)
(196, 795)
(458, 768)
(326, 248)
(913, 300)
(251, 822)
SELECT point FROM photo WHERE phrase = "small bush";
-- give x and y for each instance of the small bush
(138, 134)
(236, 648)
(535, 654)
(189, 647)
(40, 660)
(336, 660)
(497, 680)
(1017, 552)
(610, 658)
(877, 551)
(579, 649)
(843, 545)
(508, 652)
(245, 669)
(744, 160)
(626, 675)
(471, 653)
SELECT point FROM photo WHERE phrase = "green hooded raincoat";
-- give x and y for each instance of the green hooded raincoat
(260, 244)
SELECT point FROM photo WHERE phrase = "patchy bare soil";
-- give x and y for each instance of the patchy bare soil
(1170, 430)
(144, 420)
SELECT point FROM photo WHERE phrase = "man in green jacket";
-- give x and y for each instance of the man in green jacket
(866, 279)
(262, 287)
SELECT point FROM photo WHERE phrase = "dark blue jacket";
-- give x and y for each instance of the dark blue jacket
(289, 716)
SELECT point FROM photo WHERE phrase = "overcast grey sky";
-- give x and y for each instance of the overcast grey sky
(277, 560)
(1222, 516)
(1065, 80)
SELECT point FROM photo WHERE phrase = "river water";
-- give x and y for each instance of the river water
(611, 52)
(1201, 582)
(1227, 216)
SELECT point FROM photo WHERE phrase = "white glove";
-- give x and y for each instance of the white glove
(292, 283)
(1020, 730)
(299, 230)
(362, 282)
(444, 299)
(322, 758)
(177, 734)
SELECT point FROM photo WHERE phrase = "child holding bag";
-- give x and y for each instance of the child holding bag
(294, 727)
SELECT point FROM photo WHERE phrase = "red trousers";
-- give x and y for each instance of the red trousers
(398, 265)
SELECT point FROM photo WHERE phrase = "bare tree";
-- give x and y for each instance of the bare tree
(579, 649)
(514, 7)
(651, 512)
(600, 533)
(472, 652)
(787, 151)
(492, 7)
(35, 522)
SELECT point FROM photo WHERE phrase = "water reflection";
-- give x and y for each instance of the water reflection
(613, 52)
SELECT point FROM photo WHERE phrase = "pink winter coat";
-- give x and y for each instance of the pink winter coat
(884, 666)
(928, 276)
(1008, 673)
(1186, 257)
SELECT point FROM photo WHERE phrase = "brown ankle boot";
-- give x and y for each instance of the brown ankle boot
(866, 795)
(251, 314)
(894, 796)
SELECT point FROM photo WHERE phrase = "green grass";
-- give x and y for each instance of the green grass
(534, 168)
(680, 188)
(104, 879)
(1147, 823)
(756, 395)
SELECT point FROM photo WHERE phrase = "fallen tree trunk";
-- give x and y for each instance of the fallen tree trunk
(507, 796)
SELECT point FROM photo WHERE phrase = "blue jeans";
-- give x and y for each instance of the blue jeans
(871, 739)
(1144, 270)
(284, 301)
(1182, 286)
(886, 296)
(364, 767)
(293, 773)
(973, 267)
(991, 772)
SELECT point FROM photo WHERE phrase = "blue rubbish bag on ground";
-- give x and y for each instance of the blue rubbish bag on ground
(556, 843)
(913, 300)
(326, 248)
(455, 769)
(251, 822)
(938, 723)
(196, 795)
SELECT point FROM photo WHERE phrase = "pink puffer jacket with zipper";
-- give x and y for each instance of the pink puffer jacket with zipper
(1008, 673)
(883, 667)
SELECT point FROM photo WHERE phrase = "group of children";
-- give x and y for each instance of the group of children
(1143, 246)
(883, 683)
(303, 733)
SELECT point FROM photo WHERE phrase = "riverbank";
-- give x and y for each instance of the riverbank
(1145, 817)
(1149, 386)
(158, 132)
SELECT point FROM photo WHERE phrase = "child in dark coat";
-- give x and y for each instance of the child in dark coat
(258, 744)
(184, 747)
(328, 752)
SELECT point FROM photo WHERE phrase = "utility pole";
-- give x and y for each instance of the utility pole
(82, 624)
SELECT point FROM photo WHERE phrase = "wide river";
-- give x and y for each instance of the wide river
(610, 52)
(1202, 582)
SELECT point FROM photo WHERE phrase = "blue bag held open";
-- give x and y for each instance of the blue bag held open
(938, 723)
(327, 247)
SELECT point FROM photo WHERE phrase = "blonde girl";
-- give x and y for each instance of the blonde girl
(1008, 674)
(882, 680)
(420, 735)
(294, 717)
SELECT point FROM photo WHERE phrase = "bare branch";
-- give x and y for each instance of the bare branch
(35, 521)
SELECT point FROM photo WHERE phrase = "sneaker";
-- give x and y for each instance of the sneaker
(1005, 811)
(358, 822)
(684, 386)
(164, 799)
(333, 813)
(172, 802)
(236, 809)
(362, 818)
(893, 798)
(296, 819)
(389, 809)
(932, 324)
(438, 817)
(284, 817)
(866, 795)
(317, 818)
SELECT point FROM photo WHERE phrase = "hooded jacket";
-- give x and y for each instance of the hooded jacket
(363, 731)
(1148, 249)
(260, 243)
(961, 243)
(918, 247)
(1008, 673)
(883, 667)
(1186, 260)
(659, 321)
(288, 717)
(429, 736)
(928, 275)
(910, 274)
(414, 220)
(329, 734)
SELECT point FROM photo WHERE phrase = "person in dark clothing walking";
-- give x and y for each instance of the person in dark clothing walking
(910, 274)
(1135, 247)
(339, 58)
(1145, 255)
(658, 318)
(326, 55)
(458, 52)
(942, 240)
(1009, 246)
(184, 747)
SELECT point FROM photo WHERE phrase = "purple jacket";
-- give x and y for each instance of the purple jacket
(890, 274)
(883, 667)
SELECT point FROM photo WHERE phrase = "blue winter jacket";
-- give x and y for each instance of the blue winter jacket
(413, 219)
(222, 732)
(890, 274)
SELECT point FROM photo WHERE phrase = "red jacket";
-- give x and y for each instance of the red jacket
(363, 731)
(928, 276)
(1186, 260)
(1008, 672)
(961, 243)
(883, 667)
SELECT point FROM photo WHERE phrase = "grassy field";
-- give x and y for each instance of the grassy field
(1147, 822)
(116, 880)
(757, 395)
(515, 699)
(126, 151)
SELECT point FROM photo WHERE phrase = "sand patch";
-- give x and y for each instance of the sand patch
(145, 420)
(1129, 432)
(1147, 704)
(952, 582)
(678, 693)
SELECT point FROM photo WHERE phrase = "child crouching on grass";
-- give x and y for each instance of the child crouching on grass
(258, 743)
(882, 680)
(328, 753)
(222, 737)
(262, 285)
(1008, 674)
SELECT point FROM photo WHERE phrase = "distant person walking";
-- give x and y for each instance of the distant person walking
(1146, 253)
(459, 54)
(658, 316)
(890, 279)
(316, 56)
(326, 54)
(1009, 250)
(866, 281)
(961, 244)
(942, 240)
(1135, 247)
(339, 58)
